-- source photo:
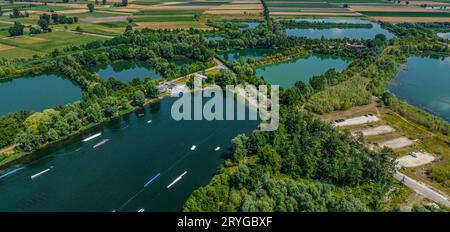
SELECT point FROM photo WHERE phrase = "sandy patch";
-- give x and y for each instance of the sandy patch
(411, 19)
(374, 131)
(238, 7)
(421, 158)
(5, 47)
(396, 143)
(233, 12)
(316, 13)
(105, 19)
(26, 39)
(74, 11)
(357, 121)
(391, 9)
(245, 1)
(167, 7)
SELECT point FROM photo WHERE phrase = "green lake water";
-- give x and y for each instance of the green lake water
(125, 71)
(425, 84)
(245, 54)
(36, 93)
(287, 73)
(112, 176)
(353, 33)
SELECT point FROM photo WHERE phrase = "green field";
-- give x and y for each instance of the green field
(407, 14)
(26, 46)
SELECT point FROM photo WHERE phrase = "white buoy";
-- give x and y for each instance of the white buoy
(149, 121)
(217, 148)
(193, 147)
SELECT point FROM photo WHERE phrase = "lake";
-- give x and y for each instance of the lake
(287, 73)
(245, 54)
(425, 84)
(125, 71)
(353, 33)
(112, 176)
(37, 93)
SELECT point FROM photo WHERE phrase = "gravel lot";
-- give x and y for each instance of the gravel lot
(396, 143)
(358, 121)
(410, 161)
(374, 131)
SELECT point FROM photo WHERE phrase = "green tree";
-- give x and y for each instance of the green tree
(16, 30)
(138, 98)
(151, 88)
(110, 106)
(268, 156)
(44, 24)
(91, 7)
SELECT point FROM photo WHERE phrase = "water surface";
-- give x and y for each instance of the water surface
(125, 71)
(287, 73)
(112, 176)
(37, 93)
(425, 84)
(353, 33)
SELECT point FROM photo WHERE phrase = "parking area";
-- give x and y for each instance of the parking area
(397, 143)
(379, 130)
(368, 118)
(415, 159)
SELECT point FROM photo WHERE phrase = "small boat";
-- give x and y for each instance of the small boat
(149, 121)
(11, 172)
(151, 180)
(92, 137)
(193, 147)
(177, 179)
(100, 143)
(41, 173)
(217, 148)
(141, 210)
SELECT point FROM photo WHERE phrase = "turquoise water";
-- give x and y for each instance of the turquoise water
(125, 71)
(287, 73)
(425, 84)
(215, 38)
(245, 54)
(36, 93)
(353, 33)
(112, 176)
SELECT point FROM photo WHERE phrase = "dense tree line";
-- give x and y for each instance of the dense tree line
(305, 165)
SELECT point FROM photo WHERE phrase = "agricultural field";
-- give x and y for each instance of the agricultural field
(110, 19)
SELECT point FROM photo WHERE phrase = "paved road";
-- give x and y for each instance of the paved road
(422, 189)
